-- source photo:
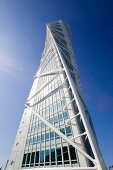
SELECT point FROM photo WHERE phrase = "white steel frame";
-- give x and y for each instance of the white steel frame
(88, 132)
(81, 108)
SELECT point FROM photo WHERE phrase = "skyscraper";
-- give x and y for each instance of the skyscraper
(56, 130)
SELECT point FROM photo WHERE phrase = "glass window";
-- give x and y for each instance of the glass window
(37, 157)
(52, 135)
(47, 156)
(63, 102)
(47, 136)
(68, 131)
(65, 115)
(30, 141)
(55, 108)
(41, 157)
(59, 105)
(42, 137)
(62, 130)
(56, 136)
(38, 139)
(32, 157)
(65, 154)
(39, 125)
(47, 111)
(24, 159)
(60, 117)
(34, 140)
(56, 119)
(51, 120)
(72, 153)
(59, 156)
(53, 156)
(28, 158)
(51, 109)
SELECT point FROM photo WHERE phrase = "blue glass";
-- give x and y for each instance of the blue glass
(51, 120)
(51, 109)
(55, 107)
(56, 119)
(47, 136)
(41, 156)
(63, 102)
(68, 131)
(59, 105)
(60, 117)
(38, 139)
(47, 111)
(34, 139)
(62, 130)
(53, 155)
(56, 136)
(52, 135)
(30, 141)
(39, 125)
(65, 115)
(42, 137)
(47, 156)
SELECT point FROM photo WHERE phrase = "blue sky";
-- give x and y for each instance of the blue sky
(22, 36)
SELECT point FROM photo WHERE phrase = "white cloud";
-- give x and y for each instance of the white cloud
(9, 65)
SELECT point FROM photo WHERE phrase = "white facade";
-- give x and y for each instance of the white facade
(56, 131)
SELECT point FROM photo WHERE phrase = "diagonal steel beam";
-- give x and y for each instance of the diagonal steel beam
(61, 135)
(50, 73)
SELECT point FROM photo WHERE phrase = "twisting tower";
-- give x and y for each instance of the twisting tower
(56, 131)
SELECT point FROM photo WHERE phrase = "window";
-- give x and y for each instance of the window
(42, 139)
(65, 115)
(63, 102)
(72, 153)
(53, 156)
(47, 111)
(51, 109)
(32, 158)
(65, 155)
(56, 136)
(59, 156)
(59, 104)
(37, 157)
(51, 120)
(47, 136)
(38, 139)
(56, 119)
(47, 157)
(60, 117)
(55, 108)
(28, 158)
(68, 131)
(41, 158)
(24, 160)
(52, 135)
(34, 140)
(30, 141)
(62, 130)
